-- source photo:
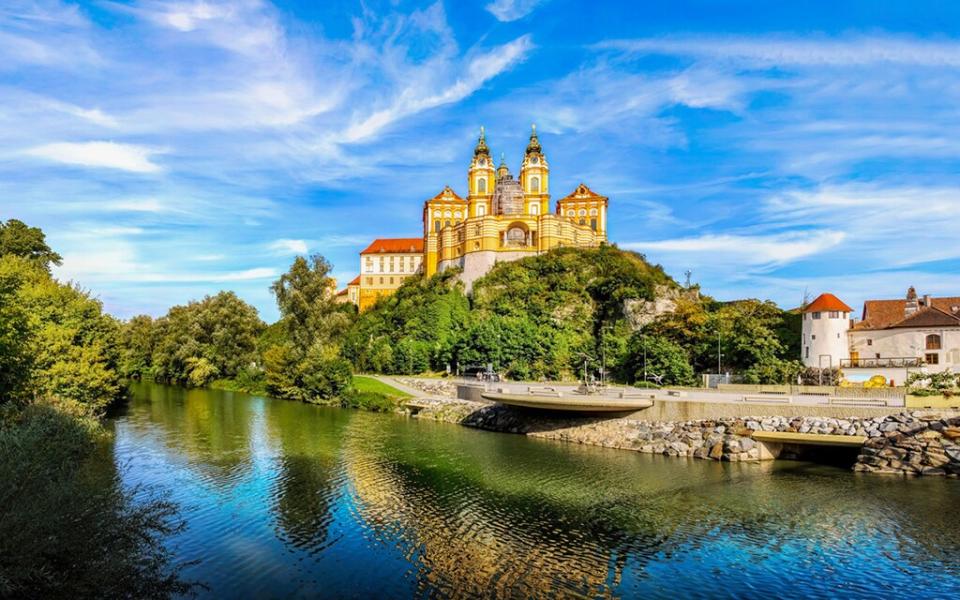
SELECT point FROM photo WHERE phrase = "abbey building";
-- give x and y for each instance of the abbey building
(502, 218)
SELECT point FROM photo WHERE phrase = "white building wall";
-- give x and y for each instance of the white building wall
(825, 341)
(909, 343)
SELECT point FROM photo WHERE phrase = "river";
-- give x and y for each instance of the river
(283, 499)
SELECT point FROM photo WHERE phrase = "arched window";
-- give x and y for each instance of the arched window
(456, 215)
(534, 208)
(583, 221)
(436, 226)
(482, 185)
(571, 213)
(593, 223)
(583, 212)
(481, 210)
(933, 342)
(535, 185)
(448, 214)
(593, 212)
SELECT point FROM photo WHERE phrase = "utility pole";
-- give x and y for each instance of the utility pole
(718, 354)
(688, 273)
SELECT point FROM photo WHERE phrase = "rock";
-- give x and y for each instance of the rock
(952, 432)
(747, 444)
(932, 471)
(716, 452)
(888, 427)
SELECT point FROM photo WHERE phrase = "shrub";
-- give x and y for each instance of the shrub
(69, 529)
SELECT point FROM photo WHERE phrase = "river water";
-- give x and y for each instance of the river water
(283, 499)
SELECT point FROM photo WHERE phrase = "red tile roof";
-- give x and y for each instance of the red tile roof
(354, 281)
(827, 302)
(881, 314)
(930, 317)
(395, 246)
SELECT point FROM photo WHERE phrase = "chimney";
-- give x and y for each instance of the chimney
(926, 300)
(912, 305)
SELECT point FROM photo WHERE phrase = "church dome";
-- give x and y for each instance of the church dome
(534, 145)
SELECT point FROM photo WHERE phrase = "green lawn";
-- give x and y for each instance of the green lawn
(369, 384)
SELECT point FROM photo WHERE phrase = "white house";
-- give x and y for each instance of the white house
(891, 338)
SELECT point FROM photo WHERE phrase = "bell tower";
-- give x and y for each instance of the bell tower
(535, 177)
(480, 179)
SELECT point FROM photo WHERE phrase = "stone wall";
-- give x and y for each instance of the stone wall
(913, 444)
(907, 444)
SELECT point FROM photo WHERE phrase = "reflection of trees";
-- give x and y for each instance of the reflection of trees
(308, 440)
(483, 514)
(212, 428)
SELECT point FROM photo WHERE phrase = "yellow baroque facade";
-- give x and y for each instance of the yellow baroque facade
(505, 218)
(502, 218)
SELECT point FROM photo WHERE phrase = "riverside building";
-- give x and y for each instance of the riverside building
(502, 218)
(891, 338)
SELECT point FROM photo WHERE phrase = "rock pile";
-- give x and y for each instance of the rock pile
(907, 443)
(914, 444)
(434, 387)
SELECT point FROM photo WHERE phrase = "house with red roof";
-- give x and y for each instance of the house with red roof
(891, 338)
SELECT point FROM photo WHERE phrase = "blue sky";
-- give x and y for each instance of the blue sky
(171, 149)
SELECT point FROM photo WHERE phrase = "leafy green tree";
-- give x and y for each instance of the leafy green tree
(19, 239)
(195, 343)
(16, 331)
(307, 307)
(414, 330)
(658, 357)
(773, 371)
(138, 339)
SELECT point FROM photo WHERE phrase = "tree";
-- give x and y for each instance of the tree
(16, 333)
(138, 339)
(307, 307)
(19, 239)
(306, 363)
(656, 356)
(196, 343)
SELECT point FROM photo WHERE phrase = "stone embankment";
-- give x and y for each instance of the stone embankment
(433, 387)
(906, 444)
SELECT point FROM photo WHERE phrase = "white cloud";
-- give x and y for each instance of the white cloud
(858, 50)
(511, 10)
(416, 98)
(289, 247)
(763, 251)
(110, 155)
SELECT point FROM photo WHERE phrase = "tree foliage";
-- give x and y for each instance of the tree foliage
(195, 343)
(19, 239)
(304, 362)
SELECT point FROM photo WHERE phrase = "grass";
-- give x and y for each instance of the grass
(369, 384)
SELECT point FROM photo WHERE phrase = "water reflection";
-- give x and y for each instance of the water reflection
(286, 499)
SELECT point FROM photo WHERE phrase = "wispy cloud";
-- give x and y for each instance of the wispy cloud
(511, 10)
(288, 247)
(110, 155)
(780, 50)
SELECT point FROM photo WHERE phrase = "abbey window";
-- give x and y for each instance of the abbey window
(481, 210)
(482, 186)
(535, 185)
(534, 209)
(933, 342)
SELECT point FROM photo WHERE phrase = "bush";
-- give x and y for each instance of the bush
(69, 529)
(774, 371)
(372, 401)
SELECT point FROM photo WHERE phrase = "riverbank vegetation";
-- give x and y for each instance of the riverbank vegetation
(553, 316)
(67, 529)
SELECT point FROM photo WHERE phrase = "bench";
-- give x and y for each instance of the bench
(676, 393)
(644, 395)
(543, 391)
(844, 401)
(775, 398)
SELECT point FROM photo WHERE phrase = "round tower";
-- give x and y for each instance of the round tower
(480, 179)
(535, 177)
(826, 325)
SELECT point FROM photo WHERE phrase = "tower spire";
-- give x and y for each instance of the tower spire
(481, 147)
(534, 145)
